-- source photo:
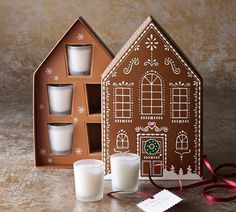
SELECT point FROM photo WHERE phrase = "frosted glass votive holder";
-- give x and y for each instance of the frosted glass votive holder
(60, 98)
(89, 175)
(60, 138)
(125, 172)
(79, 59)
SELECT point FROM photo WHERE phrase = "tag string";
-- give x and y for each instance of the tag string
(208, 190)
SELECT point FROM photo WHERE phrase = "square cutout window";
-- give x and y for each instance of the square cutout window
(94, 137)
(94, 98)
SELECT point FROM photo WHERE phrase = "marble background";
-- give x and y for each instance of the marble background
(205, 30)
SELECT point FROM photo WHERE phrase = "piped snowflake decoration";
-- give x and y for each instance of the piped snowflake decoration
(81, 109)
(136, 48)
(56, 78)
(49, 71)
(151, 43)
(80, 36)
(107, 82)
(78, 151)
(49, 160)
(189, 73)
(113, 74)
(167, 47)
(41, 106)
(42, 152)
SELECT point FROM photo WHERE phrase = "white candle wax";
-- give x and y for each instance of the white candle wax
(60, 138)
(60, 97)
(79, 59)
(125, 171)
(89, 175)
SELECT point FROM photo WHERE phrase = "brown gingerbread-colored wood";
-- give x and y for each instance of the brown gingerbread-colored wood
(85, 112)
(152, 106)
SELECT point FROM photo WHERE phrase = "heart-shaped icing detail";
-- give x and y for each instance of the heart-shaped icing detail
(152, 125)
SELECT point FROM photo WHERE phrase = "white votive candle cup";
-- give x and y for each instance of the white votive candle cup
(60, 98)
(60, 138)
(79, 59)
(89, 175)
(125, 171)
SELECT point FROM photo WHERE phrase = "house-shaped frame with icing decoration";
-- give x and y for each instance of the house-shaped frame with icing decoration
(152, 106)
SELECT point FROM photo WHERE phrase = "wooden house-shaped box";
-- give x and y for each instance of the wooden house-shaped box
(152, 106)
(85, 112)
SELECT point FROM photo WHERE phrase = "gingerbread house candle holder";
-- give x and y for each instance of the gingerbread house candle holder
(67, 99)
(152, 106)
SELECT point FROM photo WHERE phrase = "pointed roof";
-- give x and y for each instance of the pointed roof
(129, 44)
(89, 29)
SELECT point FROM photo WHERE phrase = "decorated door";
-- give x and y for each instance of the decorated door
(151, 151)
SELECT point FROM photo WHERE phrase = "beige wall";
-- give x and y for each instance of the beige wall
(205, 30)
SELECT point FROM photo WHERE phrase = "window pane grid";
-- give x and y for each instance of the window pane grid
(123, 102)
(152, 106)
(182, 142)
(179, 102)
(152, 91)
(152, 99)
(122, 141)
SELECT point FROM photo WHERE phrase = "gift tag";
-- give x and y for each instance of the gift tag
(162, 201)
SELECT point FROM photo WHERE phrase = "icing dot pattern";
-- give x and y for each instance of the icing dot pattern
(151, 146)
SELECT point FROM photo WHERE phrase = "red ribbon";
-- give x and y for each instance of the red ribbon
(227, 184)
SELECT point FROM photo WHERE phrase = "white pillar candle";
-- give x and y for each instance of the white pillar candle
(125, 171)
(60, 98)
(60, 138)
(89, 175)
(79, 59)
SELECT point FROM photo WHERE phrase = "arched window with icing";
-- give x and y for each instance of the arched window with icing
(122, 141)
(182, 142)
(151, 95)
